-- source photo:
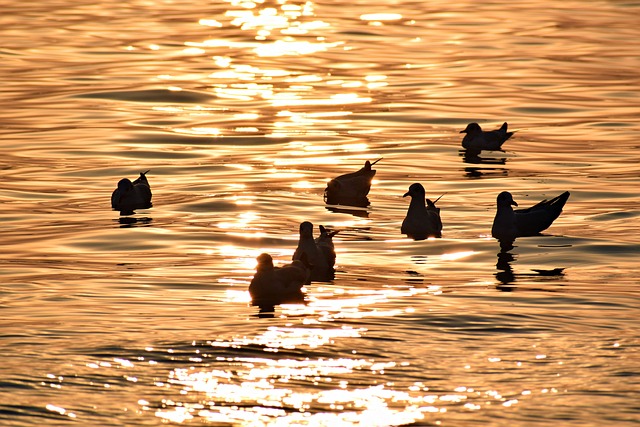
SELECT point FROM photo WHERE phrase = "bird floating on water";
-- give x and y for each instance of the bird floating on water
(132, 195)
(324, 242)
(509, 224)
(320, 253)
(477, 140)
(422, 220)
(351, 188)
(276, 285)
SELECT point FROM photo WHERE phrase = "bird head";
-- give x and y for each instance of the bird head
(264, 261)
(415, 190)
(306, 229)
(328, 234)
(506, 199)
(472, 128)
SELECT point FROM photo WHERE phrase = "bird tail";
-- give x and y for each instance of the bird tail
(328, 233)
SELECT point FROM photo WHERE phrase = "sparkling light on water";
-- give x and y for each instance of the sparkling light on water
(243, 111)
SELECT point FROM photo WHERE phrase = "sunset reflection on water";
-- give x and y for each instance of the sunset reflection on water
(276, 32)
(243, 111)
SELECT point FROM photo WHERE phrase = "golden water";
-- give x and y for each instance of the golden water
(242, 111)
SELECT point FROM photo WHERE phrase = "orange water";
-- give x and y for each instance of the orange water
(242, 111)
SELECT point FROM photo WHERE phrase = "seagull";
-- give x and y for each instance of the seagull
(321, 260)
(324, 242)
(476, 139)
(132, 195)
(422, 220)
(509, 224)
(351, 188)
(273, 284)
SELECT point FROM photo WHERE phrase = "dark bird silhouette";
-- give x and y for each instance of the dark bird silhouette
(132, 195)
(422, 220)
(324, 242)
(477, 140)
(321, 256)
(351, 188)
(509, 224)
(276, 285)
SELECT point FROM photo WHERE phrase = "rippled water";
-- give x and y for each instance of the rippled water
(243, 111)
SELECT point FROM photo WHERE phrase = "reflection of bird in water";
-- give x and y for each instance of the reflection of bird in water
(132, 195)
(549, 272)
(506, 276)
(474, 158)
(509, 224)
(321, 256)
(129, 221)
(476, 173)
(486, 164)
(422, 220)
(505, 273)
(278, 285)
(477, 140)
(351, 188)
(359, 211)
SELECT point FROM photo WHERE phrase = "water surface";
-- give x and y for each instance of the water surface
(243, 111)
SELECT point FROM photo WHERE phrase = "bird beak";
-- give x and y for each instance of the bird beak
(463, 131)
(513, 202)
(406, 194)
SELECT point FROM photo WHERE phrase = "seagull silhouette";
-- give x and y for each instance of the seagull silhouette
(477, 140)
(273, 284)
(351, 188)
(324, 242)
(422, 220)
(509, 224)
(132, 195)
(321, 256)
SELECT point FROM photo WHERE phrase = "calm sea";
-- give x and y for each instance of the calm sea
(242, 111)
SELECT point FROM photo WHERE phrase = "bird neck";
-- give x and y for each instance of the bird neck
(505, 210)
(417, 203)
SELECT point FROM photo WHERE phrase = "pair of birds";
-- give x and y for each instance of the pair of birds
(313, 259)
(350, 189)
(509, 224)
(423, 221)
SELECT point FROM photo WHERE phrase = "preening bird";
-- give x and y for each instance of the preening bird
(477, 140)
(351, 188)
(132, 195)
(509, 224)
(422, 220)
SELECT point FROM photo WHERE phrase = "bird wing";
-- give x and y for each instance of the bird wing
(539, 217)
